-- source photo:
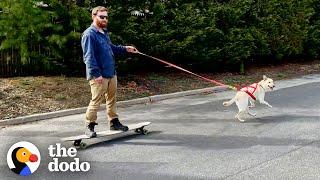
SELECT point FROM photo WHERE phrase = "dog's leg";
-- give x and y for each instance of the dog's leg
(242, 103)
(252, 105)
(262, 101)
(250, 113)
(265, 103)
(238, 116)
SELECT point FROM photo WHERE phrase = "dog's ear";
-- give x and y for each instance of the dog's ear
(265, 77)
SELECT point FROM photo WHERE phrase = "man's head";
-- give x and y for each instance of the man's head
(100, 16)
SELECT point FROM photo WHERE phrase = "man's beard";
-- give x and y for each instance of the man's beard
(101, 24)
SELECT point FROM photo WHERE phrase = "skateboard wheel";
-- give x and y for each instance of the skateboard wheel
(141, 131)
(138, 131)
(144, 132)
(83, 145)
(77, 142)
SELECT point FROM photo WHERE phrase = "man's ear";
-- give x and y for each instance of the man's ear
(264, 77)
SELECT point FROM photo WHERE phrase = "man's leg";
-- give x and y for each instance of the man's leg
(111, 99)
(91, 114)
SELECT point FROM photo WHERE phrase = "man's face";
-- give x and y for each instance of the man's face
(101, 19)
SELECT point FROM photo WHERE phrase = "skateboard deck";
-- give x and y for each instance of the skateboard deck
(138, 128)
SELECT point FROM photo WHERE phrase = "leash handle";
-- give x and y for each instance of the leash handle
(182, 69)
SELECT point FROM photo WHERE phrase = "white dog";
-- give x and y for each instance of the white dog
(250, 94)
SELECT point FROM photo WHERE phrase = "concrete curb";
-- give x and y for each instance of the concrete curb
(145, 100)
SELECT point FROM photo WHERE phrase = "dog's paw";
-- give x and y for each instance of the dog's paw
(269, 106)
(240, 120)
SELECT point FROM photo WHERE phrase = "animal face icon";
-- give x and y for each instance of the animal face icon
(23, 159)
(23, 155)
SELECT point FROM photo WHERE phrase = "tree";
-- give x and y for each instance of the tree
(43, 32)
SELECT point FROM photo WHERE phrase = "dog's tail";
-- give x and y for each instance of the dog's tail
(228, 103)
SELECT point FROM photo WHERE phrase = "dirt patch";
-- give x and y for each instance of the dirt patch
(29, 95)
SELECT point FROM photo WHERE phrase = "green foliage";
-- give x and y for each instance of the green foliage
(212, 34)
(206, 35)
(43, 34)
(312, 44)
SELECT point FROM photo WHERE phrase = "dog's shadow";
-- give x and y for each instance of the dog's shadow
(283, 118)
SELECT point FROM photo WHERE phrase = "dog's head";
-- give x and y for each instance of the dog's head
(267, 83)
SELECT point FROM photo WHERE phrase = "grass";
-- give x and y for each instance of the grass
(60, 97)
(22, 96)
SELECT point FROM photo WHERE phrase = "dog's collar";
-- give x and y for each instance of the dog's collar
(262, 87)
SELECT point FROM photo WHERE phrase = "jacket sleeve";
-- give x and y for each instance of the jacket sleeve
(87, 43)
(118, 50)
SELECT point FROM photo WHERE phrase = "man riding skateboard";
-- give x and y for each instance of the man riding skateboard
(98, 54)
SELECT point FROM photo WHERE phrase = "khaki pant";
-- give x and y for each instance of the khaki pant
(107, 90)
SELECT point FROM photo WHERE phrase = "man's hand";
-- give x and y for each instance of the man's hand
(99, 80)
(131, 49)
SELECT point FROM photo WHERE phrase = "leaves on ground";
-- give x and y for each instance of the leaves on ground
(22, 96)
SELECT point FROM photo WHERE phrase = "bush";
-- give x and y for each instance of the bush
(198, 35)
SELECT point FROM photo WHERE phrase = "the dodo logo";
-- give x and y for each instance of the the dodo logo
(23, 158)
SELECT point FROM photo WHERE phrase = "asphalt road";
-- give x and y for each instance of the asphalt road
(191, 137)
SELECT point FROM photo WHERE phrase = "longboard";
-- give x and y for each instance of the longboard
(138, 128)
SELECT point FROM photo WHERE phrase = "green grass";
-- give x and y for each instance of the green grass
(25, 82)
(60, 97)
(281, 75)
(157, 77)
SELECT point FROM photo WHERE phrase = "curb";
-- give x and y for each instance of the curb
(145, 100)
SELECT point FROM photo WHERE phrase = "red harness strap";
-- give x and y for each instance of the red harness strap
(250, 90)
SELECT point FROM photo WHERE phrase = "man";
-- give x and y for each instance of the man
(98, 53)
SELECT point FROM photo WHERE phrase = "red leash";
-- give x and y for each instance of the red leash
(180, 68)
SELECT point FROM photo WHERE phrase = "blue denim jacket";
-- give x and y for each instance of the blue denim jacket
(98, 53)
